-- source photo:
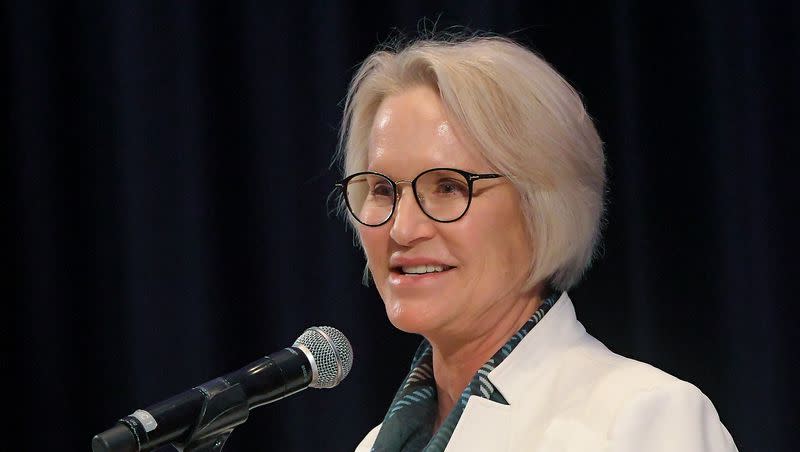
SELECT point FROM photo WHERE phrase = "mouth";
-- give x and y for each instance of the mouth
(419, 270)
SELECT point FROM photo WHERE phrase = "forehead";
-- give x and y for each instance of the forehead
(412, 132)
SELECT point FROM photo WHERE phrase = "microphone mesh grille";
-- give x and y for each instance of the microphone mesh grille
(332, 354)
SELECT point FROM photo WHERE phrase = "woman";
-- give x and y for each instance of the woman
(475, 180)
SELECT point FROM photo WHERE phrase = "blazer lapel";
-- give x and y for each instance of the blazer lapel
(487, 425)
(484, 425)
(559, 329)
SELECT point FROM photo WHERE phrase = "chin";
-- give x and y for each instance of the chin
(413, 317)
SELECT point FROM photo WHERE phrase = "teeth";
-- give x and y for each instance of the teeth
(421, 269)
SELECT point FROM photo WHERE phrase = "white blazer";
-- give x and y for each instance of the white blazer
(568, 393)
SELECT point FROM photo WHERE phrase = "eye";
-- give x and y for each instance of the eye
(451, 187)
(381, 189)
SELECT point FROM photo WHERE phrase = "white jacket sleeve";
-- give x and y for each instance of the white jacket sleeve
(366, 444)
(673, 417)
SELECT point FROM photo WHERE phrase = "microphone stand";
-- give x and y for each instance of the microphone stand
(225, 407)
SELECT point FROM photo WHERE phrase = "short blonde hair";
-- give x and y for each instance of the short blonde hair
(523, 118)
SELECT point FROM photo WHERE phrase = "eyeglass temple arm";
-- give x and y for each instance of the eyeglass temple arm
(484, 176)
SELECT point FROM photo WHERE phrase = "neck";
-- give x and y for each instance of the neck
(456, 360)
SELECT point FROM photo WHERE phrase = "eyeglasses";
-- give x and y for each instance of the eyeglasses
(443, 194)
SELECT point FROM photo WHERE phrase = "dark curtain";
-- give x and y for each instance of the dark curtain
(168, 173)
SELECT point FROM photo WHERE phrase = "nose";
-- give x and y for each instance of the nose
(409, 223)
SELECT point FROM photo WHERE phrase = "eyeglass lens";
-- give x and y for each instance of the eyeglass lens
(442, 194)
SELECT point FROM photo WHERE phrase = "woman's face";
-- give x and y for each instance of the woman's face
(487, 251)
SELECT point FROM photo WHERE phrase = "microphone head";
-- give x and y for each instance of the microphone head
(329, 352)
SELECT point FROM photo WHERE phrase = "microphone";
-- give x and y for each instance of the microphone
(321, 358)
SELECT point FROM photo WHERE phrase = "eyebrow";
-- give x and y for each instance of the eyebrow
(378, 170)
(467, 169)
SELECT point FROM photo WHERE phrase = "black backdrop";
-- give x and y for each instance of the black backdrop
(169, 168)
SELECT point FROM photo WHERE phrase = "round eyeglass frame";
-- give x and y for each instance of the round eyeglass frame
(469, 177)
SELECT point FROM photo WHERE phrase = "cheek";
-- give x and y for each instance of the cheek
(499, 243)
(517, 252)
(374, 243)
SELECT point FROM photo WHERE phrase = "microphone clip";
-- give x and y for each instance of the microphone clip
(225, 407)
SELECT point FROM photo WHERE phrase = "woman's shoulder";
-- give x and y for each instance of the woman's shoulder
(560, 355)
(603, 374)
(618, 373)
(633, 402)
(648, 409)
(578, 357)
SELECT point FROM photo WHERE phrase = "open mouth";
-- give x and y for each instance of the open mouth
(416, 270)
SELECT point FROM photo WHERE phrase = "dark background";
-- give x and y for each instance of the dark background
(168, 171)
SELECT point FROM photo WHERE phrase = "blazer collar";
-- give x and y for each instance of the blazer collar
(487, 425)
(556, 331)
